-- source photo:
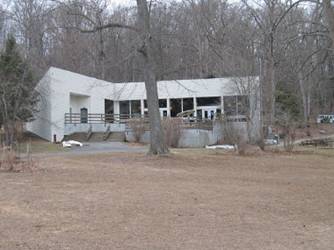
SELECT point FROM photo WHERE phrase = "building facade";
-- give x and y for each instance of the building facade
(72, 102)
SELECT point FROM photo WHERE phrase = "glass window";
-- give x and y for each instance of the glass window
(163, 103)
(242, 105)
(124, 107)
(208, 101)
(230, 105)
(188, 104)
(108, 106)
(236, 105)
(175, 107)
(199, 114)
(135, 107)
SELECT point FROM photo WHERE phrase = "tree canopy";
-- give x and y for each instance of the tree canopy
(17, 95)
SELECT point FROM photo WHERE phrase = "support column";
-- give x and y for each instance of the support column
(116, 110)
(130, 110)
(168, 107)
(142, 108)
(195, 106)
(182, 105)
(222, 104)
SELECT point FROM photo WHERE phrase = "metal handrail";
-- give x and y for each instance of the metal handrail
(99, 118)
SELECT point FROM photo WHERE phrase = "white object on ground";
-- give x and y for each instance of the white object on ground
(270, 142)
(69, 144)
(227, 147)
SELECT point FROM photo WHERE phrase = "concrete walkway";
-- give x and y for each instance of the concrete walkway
(99, 148)
(106, 147)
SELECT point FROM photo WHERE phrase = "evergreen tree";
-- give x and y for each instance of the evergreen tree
(17, 90)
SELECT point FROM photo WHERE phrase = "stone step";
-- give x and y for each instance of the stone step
(97, 137)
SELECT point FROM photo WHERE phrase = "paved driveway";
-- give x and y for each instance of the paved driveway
(106, 147)
(99, 147)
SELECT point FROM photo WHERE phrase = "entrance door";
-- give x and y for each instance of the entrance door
(163, 112)
(209, 113)
(84, 115)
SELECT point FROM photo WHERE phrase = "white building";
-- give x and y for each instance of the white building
(71, 102)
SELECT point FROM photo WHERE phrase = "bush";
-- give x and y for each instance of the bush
(10, 160)
(233, 135)
(137, 126)
(173, 130)
(289, 137)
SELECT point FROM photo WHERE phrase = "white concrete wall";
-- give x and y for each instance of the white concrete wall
(78, 102)
(190, 138)
(42, 123)
(61, 83)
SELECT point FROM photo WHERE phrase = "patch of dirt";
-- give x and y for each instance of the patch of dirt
(189, 200)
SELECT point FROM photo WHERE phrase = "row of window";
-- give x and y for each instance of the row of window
(233, 105)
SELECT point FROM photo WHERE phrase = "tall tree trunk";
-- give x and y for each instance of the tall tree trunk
(158, 144)
(329, 13)
(268, 92)
(9, 133)
(303, 92)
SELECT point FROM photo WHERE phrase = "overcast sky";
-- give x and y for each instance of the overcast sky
(122, 2)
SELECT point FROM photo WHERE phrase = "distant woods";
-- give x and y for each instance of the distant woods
(287, 43)
(17, 94)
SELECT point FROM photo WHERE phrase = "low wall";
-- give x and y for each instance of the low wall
(190, 138)
(196, 138)
(84, 127)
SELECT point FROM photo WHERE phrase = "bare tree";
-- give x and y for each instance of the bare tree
(146, 48)
(158, 144)
(329, 13)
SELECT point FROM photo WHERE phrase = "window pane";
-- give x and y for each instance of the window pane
(163, 103)
(108, 106)
(230, 105)
(188, 104)
(208, 101)
(135, 107)
(175, 105)
(199, 114)
(124, 107)
(242, 105)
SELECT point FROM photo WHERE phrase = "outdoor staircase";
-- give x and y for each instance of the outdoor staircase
(97, 137)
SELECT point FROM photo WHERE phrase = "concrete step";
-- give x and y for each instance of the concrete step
(81, 137)
(111, 137)
(97, 137)
(115, 137)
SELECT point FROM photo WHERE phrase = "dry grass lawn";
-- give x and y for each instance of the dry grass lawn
(190, 200)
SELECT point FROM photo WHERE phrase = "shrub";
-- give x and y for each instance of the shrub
(289, 136)
(173, 130)
(8, 159)
(11, 161)
(137, 126)
(233, 135)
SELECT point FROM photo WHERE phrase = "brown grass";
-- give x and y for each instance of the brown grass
(194, 199)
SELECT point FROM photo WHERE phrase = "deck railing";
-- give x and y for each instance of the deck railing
(91, 118)
(94, 118)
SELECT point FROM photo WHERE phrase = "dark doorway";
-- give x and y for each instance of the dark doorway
(135, 108)
(84, 115)
(188, 104)
(175, 107)
(124, 107)
(109, 110)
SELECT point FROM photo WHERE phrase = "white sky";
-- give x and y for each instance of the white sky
(122, 2)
